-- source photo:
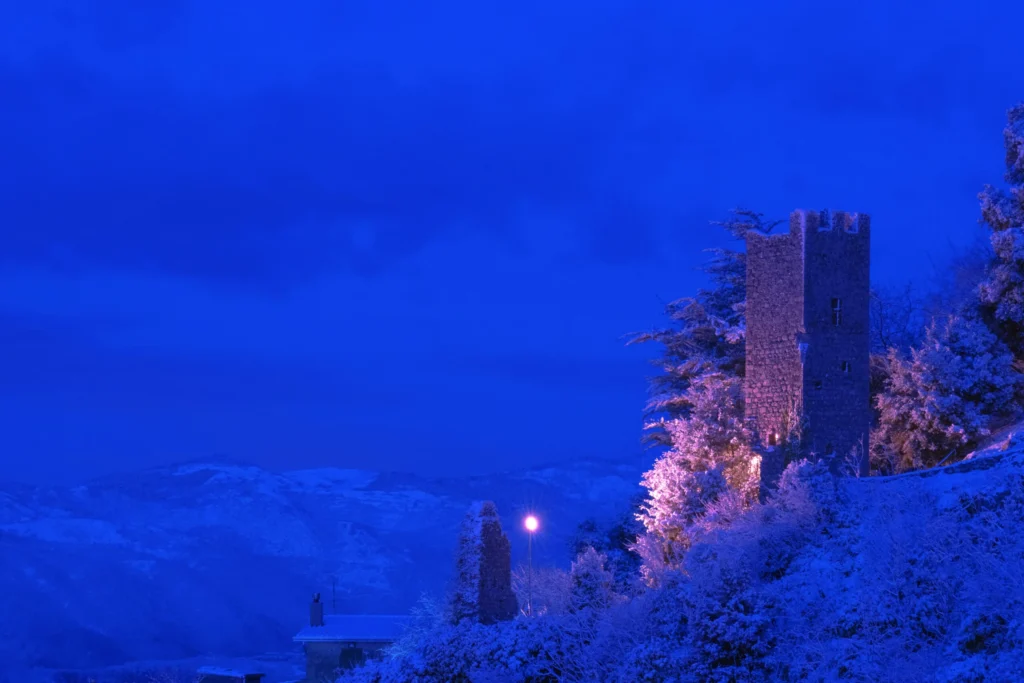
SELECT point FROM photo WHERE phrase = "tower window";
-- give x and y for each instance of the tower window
(837, 311)
(829, 450)
(845, 366)
(817, 384)
(773, 439)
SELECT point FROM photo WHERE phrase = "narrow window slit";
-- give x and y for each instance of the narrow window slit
(837, 311)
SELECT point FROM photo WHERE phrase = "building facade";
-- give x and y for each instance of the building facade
(334, 643)
(807, 346)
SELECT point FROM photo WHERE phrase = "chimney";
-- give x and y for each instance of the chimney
(316, 611)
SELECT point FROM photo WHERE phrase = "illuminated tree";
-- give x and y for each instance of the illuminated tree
(706, 332)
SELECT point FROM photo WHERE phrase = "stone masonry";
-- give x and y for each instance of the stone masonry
(807, 374)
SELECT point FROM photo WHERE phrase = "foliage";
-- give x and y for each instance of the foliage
(464, 602)
(615, 541)
(898, 319)
(678, 499)
(545, 589)
(710, 455)
(1001, 294)
(697, 406)
(591, 584)
(945, 396)
(706, 332)
(827, 580)
(482, 590)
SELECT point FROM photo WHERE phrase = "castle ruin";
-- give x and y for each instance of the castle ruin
(807, 347)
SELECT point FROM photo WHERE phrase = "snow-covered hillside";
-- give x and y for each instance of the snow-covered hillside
(910, 578)
(215, 558)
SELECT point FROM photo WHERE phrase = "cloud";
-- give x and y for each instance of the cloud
(262, 144)
(238, 186)
(276, 228)
(444, 303)
(68, 359)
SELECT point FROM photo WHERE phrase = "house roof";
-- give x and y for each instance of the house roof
(356, 628)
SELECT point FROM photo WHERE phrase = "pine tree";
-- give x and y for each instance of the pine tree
(483, 581)
(707, 331)
(696, 406)
(946, 395)
(1001, 294)
(465, 595)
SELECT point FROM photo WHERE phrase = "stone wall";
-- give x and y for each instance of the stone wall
(774, 376)
(837, 408)
(806, 376)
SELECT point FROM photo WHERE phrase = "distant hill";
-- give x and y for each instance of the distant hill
(221, 558)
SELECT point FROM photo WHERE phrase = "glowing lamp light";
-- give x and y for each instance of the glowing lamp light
(531, 523)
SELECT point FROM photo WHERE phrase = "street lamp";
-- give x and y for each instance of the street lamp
(531, 525)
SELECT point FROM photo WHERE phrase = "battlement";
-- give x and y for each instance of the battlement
(806, 222)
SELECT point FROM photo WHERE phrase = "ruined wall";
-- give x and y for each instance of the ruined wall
(836, 398)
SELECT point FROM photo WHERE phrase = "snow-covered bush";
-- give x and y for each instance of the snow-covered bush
(547, 649)
(427, 616)
(588, 635)
(616, 541)
(715, 617)
(829, 579)
(946, 394)
(677, 498)
(987, 640)
(545, 589)
(591, 584)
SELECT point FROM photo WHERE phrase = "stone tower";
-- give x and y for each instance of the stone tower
(807, 374)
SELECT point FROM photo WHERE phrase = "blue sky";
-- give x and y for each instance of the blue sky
(409, 235)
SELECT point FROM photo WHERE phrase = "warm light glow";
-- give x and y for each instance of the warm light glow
(531, 523)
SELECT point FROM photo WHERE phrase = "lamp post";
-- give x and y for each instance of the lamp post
(531, 525)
